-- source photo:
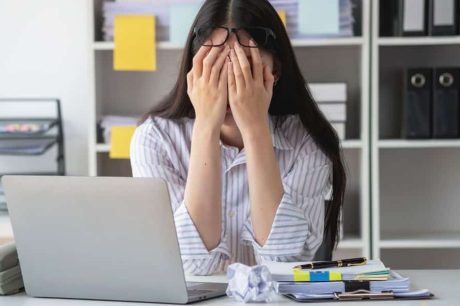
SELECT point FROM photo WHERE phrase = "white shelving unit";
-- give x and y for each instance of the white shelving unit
(414, 182)
(134, 93)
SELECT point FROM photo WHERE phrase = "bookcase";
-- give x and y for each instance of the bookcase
(415, 194)
(321, 60)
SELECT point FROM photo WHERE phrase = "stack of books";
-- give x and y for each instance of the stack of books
(364, 281)
(157, 8)
(332, 101)
(317, 18)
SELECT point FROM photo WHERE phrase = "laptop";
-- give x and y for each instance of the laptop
(101, 238)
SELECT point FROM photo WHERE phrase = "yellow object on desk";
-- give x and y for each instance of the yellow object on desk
(316, 276)
(120, 140)
(135, 43)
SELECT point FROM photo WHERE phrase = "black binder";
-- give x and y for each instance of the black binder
(417, 103)
(390, 24)
(413, 17)
(443, 17)
(446, 103)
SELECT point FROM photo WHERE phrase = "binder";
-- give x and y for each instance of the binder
(443, 18)
(413, 17)
(390, 23)
(362, 294)
(417, 103)
(446, 103)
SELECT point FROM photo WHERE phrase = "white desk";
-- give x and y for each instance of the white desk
(445, 284)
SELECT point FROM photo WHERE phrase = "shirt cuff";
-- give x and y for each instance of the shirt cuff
(291, 233)
(190, 242)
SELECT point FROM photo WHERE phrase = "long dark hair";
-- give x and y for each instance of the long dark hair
(290, 95)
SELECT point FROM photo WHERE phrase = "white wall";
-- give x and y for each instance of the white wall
(44, 52)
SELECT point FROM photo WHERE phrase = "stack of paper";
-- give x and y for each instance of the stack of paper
(108, 122)
(373, 278)
(373, 270)
(161, 9)
(10, 272)
(317, 18)
(332, 101)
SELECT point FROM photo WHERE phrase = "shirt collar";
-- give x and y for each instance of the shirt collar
(279, 139)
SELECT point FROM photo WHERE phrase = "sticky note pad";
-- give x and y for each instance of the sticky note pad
(135, 43)
(181, 19)
(318, 17)
(120, 140)
(282, 14)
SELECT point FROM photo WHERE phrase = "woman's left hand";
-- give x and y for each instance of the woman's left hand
(250, 90)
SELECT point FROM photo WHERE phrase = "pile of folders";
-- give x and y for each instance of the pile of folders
(419, 17)
(431, 103)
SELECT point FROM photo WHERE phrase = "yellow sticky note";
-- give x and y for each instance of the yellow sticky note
(301, 276)
(282, 14)
(120, 140)
(135, 43)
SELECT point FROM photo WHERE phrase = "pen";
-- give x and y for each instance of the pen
(335, 263)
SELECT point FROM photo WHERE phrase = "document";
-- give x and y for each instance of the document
(120, 141)
(135, 43)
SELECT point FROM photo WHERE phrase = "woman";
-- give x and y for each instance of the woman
(248, 157)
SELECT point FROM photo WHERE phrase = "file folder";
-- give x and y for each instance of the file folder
(442, 17)
(413, 17)
(417, 103)
(446, 103)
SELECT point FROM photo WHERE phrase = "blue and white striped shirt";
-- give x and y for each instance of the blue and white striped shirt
(161, 148)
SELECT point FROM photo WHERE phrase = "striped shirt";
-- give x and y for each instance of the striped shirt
(161, 148)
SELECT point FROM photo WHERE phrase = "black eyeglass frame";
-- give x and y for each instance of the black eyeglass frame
(268, 33)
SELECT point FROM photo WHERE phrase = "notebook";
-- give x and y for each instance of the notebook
(372, 270)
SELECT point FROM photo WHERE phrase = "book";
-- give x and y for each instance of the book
(373, 270)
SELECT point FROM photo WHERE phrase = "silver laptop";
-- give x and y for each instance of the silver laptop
(103, 238)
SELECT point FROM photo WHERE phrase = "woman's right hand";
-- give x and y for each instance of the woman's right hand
(207, 85)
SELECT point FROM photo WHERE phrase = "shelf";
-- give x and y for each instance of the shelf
(317, 42)
(403, 240)
(346, 144)
(102, 147)
(352, 144)
(429, 143)
(350, 243)
(418, 41)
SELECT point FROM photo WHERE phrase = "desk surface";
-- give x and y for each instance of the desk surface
(445, 284)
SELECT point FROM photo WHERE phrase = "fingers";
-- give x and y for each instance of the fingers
(237, 71)
(217, 67)
(244, 63)
(209, 61)
(223, 77)
(231, 78)
(257, 67)
(198, 60)
(268, 79)
(189, 81)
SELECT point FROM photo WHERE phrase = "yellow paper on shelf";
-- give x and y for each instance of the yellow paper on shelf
(135, 43)
(282, 14)
(120, 140)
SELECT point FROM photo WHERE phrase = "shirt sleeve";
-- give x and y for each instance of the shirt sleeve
(149, 158)
(297, 230)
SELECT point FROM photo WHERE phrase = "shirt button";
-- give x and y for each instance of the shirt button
(231, 214)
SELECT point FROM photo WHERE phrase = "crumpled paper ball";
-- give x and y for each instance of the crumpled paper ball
(249, 284)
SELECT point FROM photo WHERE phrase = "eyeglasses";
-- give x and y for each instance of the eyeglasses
(219, 35)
